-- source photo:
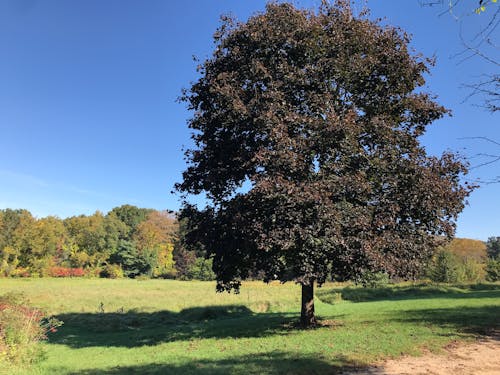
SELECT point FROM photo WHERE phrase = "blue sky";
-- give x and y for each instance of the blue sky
(88, 111)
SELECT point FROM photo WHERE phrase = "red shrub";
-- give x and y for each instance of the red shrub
(77, 272)
(66, 272)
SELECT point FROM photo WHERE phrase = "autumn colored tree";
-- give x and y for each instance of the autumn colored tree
(46, 242)
(467, 248)
(306, 128)
(154, 239)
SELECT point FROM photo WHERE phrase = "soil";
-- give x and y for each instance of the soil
(479, 358)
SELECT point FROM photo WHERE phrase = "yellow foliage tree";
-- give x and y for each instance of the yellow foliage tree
(467, 248)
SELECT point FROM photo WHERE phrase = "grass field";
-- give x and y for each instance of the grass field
(173, 327)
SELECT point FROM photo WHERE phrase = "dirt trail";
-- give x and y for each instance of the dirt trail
(479, 358)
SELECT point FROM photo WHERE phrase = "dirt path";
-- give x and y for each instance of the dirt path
(479, 358)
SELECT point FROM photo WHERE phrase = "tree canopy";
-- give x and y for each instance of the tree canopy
(306, 128)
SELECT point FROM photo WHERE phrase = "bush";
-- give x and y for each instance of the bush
(22, 327)
(201, 270)
(111, 271)
(66, 272)
(493, 270)
(21, 272)
(373, 279)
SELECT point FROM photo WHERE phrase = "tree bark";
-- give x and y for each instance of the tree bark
(307, 317)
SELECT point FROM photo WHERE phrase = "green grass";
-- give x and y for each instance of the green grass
(173, 327)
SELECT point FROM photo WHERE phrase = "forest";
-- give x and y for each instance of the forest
(136, 242)
(128, 241)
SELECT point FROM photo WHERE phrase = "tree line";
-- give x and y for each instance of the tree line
(128, 241)
(135, 242)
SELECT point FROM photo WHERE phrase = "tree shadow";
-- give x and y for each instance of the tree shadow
(269, 363)
(408, 292)
(136, 328)
(477, 320)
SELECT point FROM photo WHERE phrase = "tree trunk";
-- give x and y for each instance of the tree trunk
(307, 317)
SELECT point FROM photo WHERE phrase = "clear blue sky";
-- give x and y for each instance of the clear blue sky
(89, 121)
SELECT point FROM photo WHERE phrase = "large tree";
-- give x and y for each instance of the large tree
(306, 128)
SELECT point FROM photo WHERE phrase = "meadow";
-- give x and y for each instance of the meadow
(127, 326)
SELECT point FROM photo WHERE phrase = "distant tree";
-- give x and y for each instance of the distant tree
(155, 238)
(159, 227)
(493, 247)
(132, 216)
(46, 244)
(467, 248)
(183, 256)
(96, 235)
(445, 268)
(306, 129)
(130, 260)
(22, 236)
(9, 255)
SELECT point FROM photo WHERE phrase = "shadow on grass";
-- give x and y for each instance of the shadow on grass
(478, 320)
(135, 328)
(271, 363)
(407, 292)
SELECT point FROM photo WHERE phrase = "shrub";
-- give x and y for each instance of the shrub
(21, 272)
(22, 327)
(493, 270)
(373, 279)
(111, 271)
(201, 270)
(66, 272)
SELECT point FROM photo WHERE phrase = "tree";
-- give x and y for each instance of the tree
(132, 216)
(466, 248)
(96, 235)
(130, 260)
(154, 239)
(306, 129)
(493, 247)
(445, 268)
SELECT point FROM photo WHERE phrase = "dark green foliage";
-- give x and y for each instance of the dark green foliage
(201, 269)
(493, 270)
(373, 279)
(493, 247)
(184, 261)
(306, 128)
(132, 263)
